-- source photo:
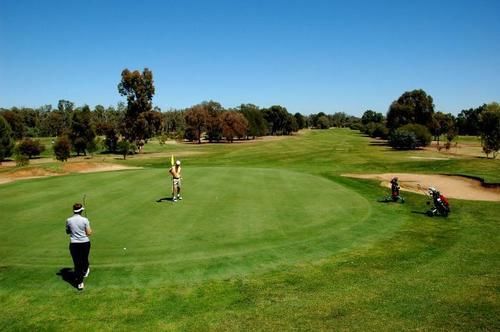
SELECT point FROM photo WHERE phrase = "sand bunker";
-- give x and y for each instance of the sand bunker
(89, 167)
(74, 167)
(451, 186)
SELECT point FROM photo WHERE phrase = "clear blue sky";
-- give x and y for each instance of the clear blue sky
(310, 56)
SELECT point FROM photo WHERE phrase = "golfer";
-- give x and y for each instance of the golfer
(79, 230)
(395, 190)
(175, 171)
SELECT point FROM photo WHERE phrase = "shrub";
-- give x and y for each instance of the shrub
(403, 140)
(21, 159)
(375, 129)
(422, 134)
(30, 148)
(62, 148)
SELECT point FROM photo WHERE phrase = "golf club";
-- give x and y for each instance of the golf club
(84, 205)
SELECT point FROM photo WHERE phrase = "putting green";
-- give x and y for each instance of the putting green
(232, 221)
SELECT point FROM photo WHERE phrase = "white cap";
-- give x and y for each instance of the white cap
(178, 162)
(79, 210)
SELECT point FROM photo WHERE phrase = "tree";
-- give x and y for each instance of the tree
(6, 140)
(66, 107)
(371, 116)
(16, 124)
(139, 89)
(323, 122)
(257, 125)
(290, 125)
(196, 118)
(441, 124)
(489, 124)
(338, 119)
(125, 148)
(30, 148)
(54, 124)
(234, 125)
(313, 119)
(111, 137)
(301, 121)
(276, 116)
(412, 107)
(174, 123)
(82, 133)
(62, 148)
(213, 123)
(468, 121)
(153, 121)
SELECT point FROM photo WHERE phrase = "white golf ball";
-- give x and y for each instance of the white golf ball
(124, 248)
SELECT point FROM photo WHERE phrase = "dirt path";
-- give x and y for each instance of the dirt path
(73, 167)
(451, 186)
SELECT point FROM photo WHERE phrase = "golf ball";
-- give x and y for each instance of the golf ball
(124, 248)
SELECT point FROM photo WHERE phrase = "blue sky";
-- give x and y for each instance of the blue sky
(309, 56)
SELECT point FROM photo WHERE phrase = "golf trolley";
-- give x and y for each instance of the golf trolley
(440, 207)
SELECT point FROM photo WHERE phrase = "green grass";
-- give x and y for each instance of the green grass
(268, 237)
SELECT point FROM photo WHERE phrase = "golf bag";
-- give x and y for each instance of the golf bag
(441, 205)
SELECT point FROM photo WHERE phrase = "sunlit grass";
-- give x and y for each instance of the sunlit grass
(269, 237)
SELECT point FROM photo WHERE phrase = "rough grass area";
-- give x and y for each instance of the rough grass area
(268, 237)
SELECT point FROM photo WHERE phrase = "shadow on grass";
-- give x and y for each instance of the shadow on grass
(163, 199)
(67, 275)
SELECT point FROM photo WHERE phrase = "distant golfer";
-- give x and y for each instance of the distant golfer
(175, 171)
(395, 190)
(79, 230)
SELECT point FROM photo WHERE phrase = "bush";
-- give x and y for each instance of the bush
(162, 139)
(422, 134)
(125, 148)
(62, 148)
(403, 140)
(21, 159)
(356, 126)
(375, 129)
(30, 148)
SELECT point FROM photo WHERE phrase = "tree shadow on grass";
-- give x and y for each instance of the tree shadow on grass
(67, 275)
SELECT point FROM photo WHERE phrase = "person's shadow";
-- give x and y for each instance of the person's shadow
(67, 275)
(162, 199)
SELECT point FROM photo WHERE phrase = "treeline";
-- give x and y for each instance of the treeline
(128, 126)
(85, 128)
(412, 122)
